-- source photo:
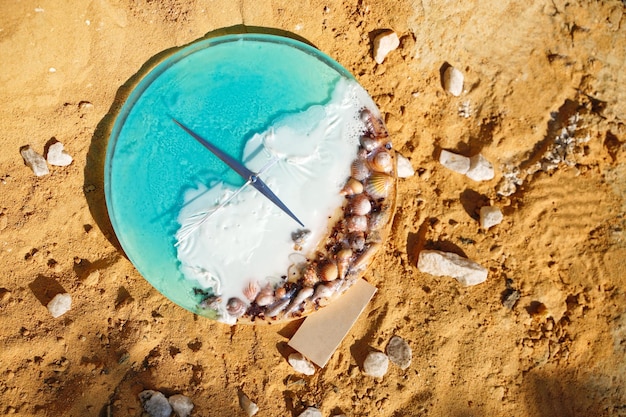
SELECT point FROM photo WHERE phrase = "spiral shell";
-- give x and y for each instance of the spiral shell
(265, 296)
(352, 187)
(359, 170)
(356, 224)
(328, 271)
(381, 161)
(360, 205)
(277, 307)
(236, 307)
(251, 290)
(374, 125)
(379, 185)
(343, 258)
(302, 296)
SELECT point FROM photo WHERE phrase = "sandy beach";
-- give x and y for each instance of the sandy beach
(544, 100)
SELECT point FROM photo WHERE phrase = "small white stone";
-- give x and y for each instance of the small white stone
(376, 364)
(311, 412)
(480, 169)
(57, 156)
(34, 161)
(181, 405)
(384, 43)
(301, 364)
(490, 216)
(60, 304)
(399, 352)
(247, 405)
(52, 70)
(404, 167)
(453, 81)
(454, 162)
(464, 270)
(155, 403)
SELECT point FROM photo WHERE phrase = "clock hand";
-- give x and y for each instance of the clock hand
(242, 170)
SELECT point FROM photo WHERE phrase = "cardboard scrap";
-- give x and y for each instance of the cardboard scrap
(321, 333)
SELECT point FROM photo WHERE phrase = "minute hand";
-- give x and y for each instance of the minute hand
(242, 170)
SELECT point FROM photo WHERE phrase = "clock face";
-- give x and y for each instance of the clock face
(202, 234)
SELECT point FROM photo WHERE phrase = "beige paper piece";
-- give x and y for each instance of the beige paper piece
(321, 333)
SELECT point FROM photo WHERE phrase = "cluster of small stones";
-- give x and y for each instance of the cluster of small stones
(354, 240)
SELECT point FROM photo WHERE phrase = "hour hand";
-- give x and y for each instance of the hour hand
(245, 173)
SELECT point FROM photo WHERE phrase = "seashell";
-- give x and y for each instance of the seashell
(374, 124)
(302, 295)
(251, 290)
(281, 292)
(265, 296)
(369, 143)
(356, 223)
(328, 271)
(362, 153)
(276, 308)
(325, 290)
(352, 187)
(343, 257)
(364, 259)
(359, 170)
(236, 307)
(356, 241)
(379, 185)
(211, 303)
(360, 205)
(309, 276)
(379, 219)
(381, 162)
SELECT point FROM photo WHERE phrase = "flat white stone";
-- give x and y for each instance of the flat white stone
(453, 81)
(247, 405)
(60, 304)
(464, 270)
(34, 161)
(480, 169)
(301, 364)
(399, 352)
(155, 403)
(454, 162)
(57, 156)
(490, 216)
(404, 167)
(383, 44)
(376, 364)
(311, 412)
(181, 405)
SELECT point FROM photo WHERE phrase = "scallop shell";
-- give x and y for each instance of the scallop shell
(236, 307)
(360, 205)
(356, 223)
(265, 296)
(328, 271)
(352, 187)
(382, 162)
(251, 290)
(374, 124)
(359, 170)
(379, 185)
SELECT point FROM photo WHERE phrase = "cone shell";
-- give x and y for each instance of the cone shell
(359, 170)
(379, 185)
(360, 205)
(382, 161)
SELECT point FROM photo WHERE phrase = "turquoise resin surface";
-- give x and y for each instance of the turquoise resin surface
(226, 89)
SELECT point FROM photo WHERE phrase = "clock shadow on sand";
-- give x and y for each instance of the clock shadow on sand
(94, 181)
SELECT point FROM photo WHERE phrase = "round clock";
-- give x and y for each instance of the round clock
(250, 178)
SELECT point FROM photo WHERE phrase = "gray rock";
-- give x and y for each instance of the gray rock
(399, 352)
(453, 81)
(490, 216)
(181, 405)
(155, 403)
(438, 263)
(57, 156)
(384, 43)
(311, 412)
(376, 364)
(60, 304)
(404, 167)
(247, 405)
(480, 169)
(301, 364)
(34, 161)
(454, 162)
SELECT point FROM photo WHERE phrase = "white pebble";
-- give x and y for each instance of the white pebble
(490, 216)
(453, 81)
(404, 167)
(301, 364)
(454, 162)
(52, 70)
(247, 405)
(57, 156)
(464, 270)
(480, 169)
(60, 304)
(181, 405)
(376, 364)
(311, 412)
(399, 352)
(383, 44)
(34, 161)
(155, 403)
